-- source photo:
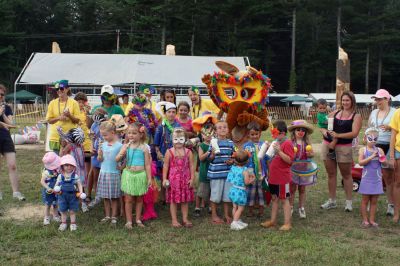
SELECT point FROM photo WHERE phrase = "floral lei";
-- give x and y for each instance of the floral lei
(168, 125)
(134, 115)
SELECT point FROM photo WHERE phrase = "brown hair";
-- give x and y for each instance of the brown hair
(184, 103)
(141, 129)
(80, 96)
(352, 98)
(4, 88)
(241, 157)
(162, 95)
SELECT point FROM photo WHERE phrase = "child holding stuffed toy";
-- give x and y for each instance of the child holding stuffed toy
(136, 177)
(68, 197)
(51, 163)
(239, 176)
(178, 178)
(300, 135)
(109, 183)
(372, 158)
(280, 175)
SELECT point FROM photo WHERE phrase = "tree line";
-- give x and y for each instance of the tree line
(369, 31)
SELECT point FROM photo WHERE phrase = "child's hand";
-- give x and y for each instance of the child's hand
(229, 162)
(191, 183)
(160, 157)
(374, 154)
(165, 183)
(149, 182)
(277, 147)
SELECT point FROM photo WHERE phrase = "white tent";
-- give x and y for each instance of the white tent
(120, 69)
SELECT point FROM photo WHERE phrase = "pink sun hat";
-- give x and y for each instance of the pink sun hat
(51, 161)
(382, 93)
(68, 159)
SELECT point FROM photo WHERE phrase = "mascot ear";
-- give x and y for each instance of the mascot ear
(227, 67)
(251, 70)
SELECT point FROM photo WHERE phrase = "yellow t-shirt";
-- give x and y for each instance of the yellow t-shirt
(124, 106)
(207, 105)
(54, 110)
(152, 107)
(87, 144)
(395, 124)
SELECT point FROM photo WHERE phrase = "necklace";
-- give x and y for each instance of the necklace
(59, 106)
(299, 152)
(145, 118)
(376, 119)
(167, 124)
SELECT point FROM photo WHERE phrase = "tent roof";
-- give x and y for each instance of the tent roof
(296, 98)
(119, 69)
(22, 95)
(331, 97)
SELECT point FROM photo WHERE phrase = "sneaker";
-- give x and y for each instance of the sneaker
(390, 210)
(73, 227)
(197, 212)
(243, 223)
(285, 227)
(236, 226)
(46, 220)
(57, 219)
(302, 213)
(18, 195)
(94, 202)
(348, 206)
(1, 195)
(105, 220)
(113, 221)
(84, 207)
(62, 227)
(329, 204)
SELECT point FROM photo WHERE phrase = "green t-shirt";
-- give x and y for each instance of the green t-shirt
(113, 109)
(322, 120)
(204, 165)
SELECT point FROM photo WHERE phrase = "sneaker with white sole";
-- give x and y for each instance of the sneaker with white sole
(302, 213)
(18, 195)
(348, 206)
(329, 204)
(46, 220)
(390, 210)
(62, 227)
(73, 227)
(236, 226)
(57, 219)
(243, 223)
(84, 207)
(94, 202)
(114, 221)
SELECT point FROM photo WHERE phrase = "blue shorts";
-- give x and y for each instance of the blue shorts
(49, 199)
(68, 202)
(220, 190)
(96, 163)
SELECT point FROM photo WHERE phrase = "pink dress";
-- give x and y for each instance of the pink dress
(179, 190)
(187, 125)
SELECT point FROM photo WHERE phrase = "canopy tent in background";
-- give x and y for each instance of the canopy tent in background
(296, 98)
(22, 95)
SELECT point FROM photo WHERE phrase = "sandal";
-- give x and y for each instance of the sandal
(187, 224)
(375, 225)
(365, 224)
(128, 225)
(139, 223)
(105, 220)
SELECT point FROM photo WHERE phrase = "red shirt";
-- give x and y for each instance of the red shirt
(280, 173)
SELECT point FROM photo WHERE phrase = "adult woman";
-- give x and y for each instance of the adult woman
(199, 105)
(346, 126)
(108, 100)
(7, 148)
(394, 161)
(62, 112)
(380, 118)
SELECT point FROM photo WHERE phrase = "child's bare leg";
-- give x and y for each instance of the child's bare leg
(293, 189)
(95, 177)
(128, 208)
(47, 210)
(286, 211)
(363, 208)
(72, 217)
(185, 213)
(114, 207)
(234, 209)
(302, 196)
(173, 210)
(90, 182)
(203, 203)
(122, 206)
(238, 213)
(214, 215)
(274, 209)
(55, 211)
(372, 208)
(226, 212)
(107, 207)
(139, 206)
(64, 217)
(198, 200)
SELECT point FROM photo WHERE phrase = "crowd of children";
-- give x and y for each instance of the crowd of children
(123, 170)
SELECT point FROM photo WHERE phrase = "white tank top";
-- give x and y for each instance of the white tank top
(384, 136)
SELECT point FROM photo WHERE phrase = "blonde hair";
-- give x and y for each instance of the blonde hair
(140, 128)
(108, 126)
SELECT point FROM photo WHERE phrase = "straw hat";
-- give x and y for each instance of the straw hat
(119, 122)
(301, 124)
(200, 121)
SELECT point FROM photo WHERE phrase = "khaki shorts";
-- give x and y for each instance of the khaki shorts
(344, 154)
(204, 191)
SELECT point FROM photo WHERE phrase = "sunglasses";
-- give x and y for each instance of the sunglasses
(301, 129)
(372, 139)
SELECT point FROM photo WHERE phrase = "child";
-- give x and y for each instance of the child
(178, 178)
(280, 175)
(300, 132)
(239, 176)
(322, 121)
(51, 163)
(220, 165)
(255, 191)
(204, 151)
(136, 177)
(184, 119)
(371, 157)
(109, 183)
(68, 198)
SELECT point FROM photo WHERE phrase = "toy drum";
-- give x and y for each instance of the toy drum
(304, 172)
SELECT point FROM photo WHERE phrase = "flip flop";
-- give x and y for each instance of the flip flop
(217, 221)
(187, 225)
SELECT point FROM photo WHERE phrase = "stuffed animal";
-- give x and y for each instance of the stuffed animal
(240, 94)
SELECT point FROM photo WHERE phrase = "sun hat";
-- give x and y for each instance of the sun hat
(206, 117)
(51, 161)
(301, 124)
(381, 93)
(107, 89)
(119, 122)
(68, 159)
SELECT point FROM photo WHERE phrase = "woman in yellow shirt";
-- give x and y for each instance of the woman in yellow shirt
(394, 160)
(199, 105)
(62, 112)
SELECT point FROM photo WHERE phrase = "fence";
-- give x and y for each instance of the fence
(29, 113)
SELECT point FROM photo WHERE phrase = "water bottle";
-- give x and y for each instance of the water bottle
(214, 144)
(262, 151)
(271, 151)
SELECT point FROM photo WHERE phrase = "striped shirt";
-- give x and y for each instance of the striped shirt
(218, 169)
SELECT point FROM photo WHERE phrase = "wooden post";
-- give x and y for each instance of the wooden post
(342, 75)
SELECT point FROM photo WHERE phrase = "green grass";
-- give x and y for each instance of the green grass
(326, 237)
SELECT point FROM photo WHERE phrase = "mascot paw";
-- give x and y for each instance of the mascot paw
(244, 118)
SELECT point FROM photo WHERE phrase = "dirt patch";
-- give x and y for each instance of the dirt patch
(38, 147)
(26, 212)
